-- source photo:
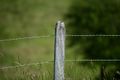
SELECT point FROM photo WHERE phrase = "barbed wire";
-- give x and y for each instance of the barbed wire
(93, 35)
(47, 36)
(46, 62)
(23, 65)
(94, 60)
(23, 38)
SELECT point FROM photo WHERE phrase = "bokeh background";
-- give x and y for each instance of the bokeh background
(21, 18)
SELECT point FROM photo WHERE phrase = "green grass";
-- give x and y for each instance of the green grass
(34, 18)
(73, 71)
(31, 18)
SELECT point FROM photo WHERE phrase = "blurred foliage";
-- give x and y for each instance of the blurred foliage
(13, 17)
(12, 21)
(95, 17)
(99, 17)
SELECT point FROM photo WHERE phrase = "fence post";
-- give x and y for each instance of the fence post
(59, 51)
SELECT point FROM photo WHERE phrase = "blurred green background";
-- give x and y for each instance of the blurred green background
(20, 18)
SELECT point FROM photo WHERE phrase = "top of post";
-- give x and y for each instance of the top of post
(60, 25)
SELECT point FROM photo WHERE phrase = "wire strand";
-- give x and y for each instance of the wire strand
(93, 35)
(46, 62)
(48, 36)
(23, 38)
(94, 60)
(23, 65)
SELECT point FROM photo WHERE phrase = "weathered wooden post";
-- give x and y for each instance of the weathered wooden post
(59, 51)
